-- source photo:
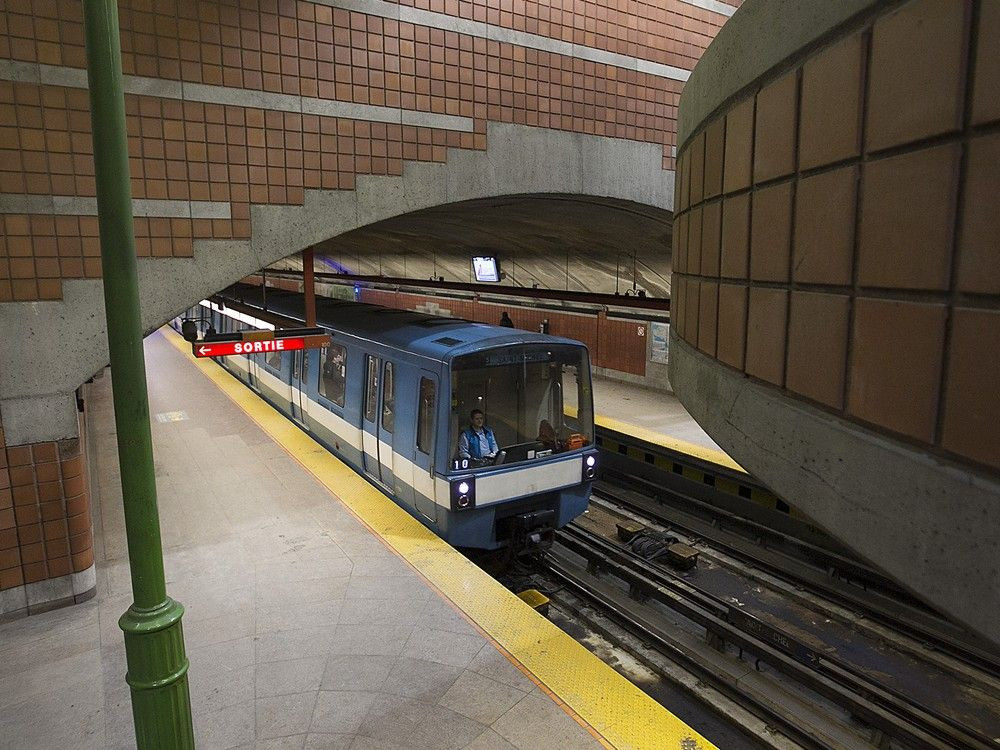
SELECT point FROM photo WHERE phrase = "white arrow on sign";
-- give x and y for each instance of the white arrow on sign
(203, 350)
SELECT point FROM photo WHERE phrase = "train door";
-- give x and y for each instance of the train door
(386, 424)
(369, 419)
(298, 376)
(424, 446)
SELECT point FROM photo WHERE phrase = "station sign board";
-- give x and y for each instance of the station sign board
(261, 342)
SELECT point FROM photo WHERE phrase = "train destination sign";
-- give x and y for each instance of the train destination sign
(261, 342)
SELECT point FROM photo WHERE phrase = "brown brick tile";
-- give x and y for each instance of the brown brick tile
(735, 236)
(22, 475)
(691, 309)
(684, 179)
(35, 572)
(708, 305)
(831, 98)
(47, 472)
(24, 494)
(680, 235)
(898, 392)
(824, 227)
(978, 260)
(43, 452)
(32, 553)
(19, 455)
(8, 538)
(770, 233)
(78, 524)
(60, 566)
(9, 558)
(915, 73)
(739, 146)
(986, 93)
(74, 486)
(49, 491)
(774, 139)
(696, 153)
(817, 346)
(711, 221)
(715, 142)
(971, 425)
(765, 347)
(82, 560)
(7, 518)
(11, 578)
(81, 542)
(694, 227)
(677, 304)
(906, 204)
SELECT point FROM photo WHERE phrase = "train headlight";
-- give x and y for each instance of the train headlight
(463, 494)
(589, 467)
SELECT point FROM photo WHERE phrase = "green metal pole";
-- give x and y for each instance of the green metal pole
(154, 639)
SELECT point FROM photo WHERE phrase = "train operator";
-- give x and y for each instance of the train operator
(477, 441)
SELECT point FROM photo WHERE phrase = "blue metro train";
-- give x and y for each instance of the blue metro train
(393, 392)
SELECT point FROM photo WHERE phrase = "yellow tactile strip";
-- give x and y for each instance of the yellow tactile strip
(665, 441)
(617, 712)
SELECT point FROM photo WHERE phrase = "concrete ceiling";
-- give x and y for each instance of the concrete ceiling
(572, 242)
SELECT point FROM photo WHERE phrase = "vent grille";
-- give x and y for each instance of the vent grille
(447, 341)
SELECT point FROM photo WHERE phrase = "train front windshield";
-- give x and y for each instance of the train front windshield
(536, 400)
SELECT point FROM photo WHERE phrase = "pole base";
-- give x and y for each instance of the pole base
(157, 676)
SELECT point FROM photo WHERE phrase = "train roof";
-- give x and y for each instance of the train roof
(429, 335)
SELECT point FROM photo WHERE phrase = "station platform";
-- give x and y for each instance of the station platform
(318, 613)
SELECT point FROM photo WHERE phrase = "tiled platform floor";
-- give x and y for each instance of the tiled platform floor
(655, 410)
(303, 630)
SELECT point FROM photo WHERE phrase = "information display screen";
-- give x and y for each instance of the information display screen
(486, 268)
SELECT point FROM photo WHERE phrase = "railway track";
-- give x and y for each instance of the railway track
(772, 541)
(645, 596)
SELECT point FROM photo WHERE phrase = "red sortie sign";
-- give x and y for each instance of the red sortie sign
(259, 346)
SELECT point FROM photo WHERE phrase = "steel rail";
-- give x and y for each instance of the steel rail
(881, 707)
(877, 597)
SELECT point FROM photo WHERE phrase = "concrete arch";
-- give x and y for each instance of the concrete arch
(61, 344)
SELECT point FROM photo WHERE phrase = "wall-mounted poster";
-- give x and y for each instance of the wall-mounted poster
(659, 345)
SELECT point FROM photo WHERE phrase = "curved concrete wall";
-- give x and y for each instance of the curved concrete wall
(835, 254)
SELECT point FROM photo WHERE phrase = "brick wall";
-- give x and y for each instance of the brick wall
(45, 524)
(614, 343)
(232, 104)
(837, 229)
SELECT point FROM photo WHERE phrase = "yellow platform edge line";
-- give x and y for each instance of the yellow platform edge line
(665, 441)
(619, 714)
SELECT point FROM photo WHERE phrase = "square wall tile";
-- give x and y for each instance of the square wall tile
(915, 73)
(708, 306)
(817, 346)
(739, 146)
(680, 242)
(907, 215)
(684, 177)
(829, 129)
(971, 425)
(986, 75)
(771, 232)
(677, 304)
(774, 132)
(711, 221)
(693, 263)
(979, 239)
(697, 155)
(735, 254)
(765, 356)
(895, 366)
(715, 142)
(732, 317)
(823, 251)
(691, 303)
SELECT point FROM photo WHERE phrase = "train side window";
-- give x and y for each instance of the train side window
(371, 388)
(388, 398)
(333, 379)
(425, 415)
(274, 361)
